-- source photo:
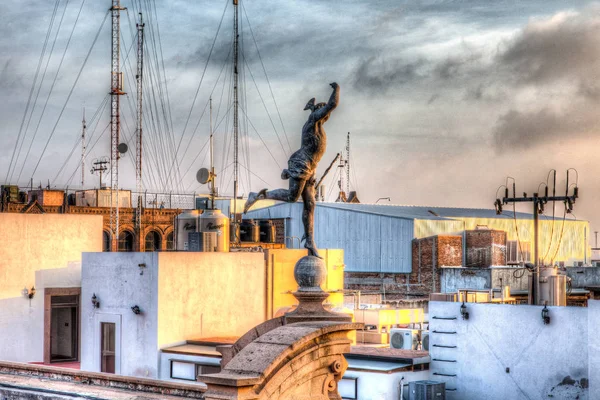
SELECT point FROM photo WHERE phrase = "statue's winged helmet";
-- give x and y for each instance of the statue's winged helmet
(312, 106)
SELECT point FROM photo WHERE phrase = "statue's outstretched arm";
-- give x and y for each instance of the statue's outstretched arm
(331, 104)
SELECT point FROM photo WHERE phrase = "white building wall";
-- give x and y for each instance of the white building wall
(384, 386)
(543, 361)
(120, 283)
(44, 251)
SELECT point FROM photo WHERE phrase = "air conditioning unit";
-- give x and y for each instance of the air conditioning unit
(426, 390)
(404, 338)
(425, 340)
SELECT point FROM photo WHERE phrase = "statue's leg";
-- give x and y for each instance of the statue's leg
(308, 218)
(290, 195)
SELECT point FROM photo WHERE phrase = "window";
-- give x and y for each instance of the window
(107, 349)
(170, 245)
(153, 241)
(105, 241)
(189, 371)
(126, 241)
(516, 254)
(348, 388)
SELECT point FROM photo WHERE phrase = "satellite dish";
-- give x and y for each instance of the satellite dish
(203, 176)
(122, 148)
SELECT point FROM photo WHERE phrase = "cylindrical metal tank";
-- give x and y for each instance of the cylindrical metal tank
(558, 290)
(553, 287)
(249, 231)
(267, 231)
(185, 223)
(216, 221)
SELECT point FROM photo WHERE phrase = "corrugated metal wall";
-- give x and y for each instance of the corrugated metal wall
(371, 243)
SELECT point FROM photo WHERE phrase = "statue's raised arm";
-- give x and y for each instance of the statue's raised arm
(302, 167)
(334, 99)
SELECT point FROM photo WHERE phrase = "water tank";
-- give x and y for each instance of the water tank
(185, 223)
(267, 231)
(216, 221)
(249, 231)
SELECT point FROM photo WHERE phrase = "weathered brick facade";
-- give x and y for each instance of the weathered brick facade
(428, 256)
(485, 248)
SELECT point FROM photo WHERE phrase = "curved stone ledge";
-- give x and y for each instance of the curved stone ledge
(303, 360)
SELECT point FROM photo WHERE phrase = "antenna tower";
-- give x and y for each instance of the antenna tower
(116, 90)
(235, 110)
(138, 148)
(83, 150)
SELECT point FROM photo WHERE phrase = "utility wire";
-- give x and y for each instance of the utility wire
(33, 85)
(70, 93)
(267, 77)
(52, 86)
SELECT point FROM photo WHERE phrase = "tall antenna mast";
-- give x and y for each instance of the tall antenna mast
(235, 109)
(212, 165)
(138, 147)
(348, 165)
(116, 90)
(83, 150)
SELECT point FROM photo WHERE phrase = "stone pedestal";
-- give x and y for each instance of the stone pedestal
(297, 357)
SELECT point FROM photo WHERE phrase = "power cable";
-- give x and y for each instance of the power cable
(53, 84)
(33, 85)
(267, 77)
(70, 93)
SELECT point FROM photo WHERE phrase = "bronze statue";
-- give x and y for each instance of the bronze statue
(302, 167)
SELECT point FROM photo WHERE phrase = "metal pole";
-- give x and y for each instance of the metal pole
(212, 165)
(536, 282)
(235, 109)
(83, 151)
(138, 164)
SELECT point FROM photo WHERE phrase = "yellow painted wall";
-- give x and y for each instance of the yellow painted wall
(281, 264)
(33, 242)
(573, 244)
(209, 294)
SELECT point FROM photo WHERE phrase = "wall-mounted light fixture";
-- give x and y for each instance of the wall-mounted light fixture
(28, 293)
(136, 310)
(546, 314)
(95, 301)
(463, 311)
(142, 266)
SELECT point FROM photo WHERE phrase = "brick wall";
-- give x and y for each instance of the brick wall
(428, 256)
(485, 248)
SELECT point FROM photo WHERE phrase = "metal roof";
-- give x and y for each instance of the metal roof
(425, 212)
(418, 212)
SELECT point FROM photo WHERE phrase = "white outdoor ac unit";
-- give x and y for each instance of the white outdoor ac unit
(404, 338)
(425, 340)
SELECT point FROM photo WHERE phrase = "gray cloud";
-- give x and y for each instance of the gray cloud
(566, 46)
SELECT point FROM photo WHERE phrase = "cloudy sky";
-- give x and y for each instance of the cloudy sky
(443, 99)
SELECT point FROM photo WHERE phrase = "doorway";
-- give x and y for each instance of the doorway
(108, 348)
(61, 324)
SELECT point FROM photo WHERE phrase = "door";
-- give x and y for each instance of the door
(64, 328)
(107, 347)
